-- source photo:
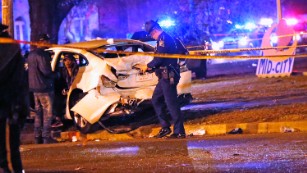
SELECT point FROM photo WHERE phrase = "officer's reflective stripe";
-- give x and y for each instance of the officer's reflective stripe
(8, 146)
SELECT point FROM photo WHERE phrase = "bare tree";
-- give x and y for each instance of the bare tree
(46, 16)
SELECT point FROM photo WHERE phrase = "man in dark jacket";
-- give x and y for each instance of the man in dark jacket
(13, 104)
(41, 83)
(164, 98)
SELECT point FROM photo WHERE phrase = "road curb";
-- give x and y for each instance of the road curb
(195, 130)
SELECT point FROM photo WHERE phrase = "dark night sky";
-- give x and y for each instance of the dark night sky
(295, 6)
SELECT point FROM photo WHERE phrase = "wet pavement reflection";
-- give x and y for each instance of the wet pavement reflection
(231, 153)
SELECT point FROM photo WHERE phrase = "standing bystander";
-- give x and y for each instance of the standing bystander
(41, 83)
(13, 104)
(68, 74)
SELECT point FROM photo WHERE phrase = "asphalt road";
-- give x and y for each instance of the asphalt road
(277, 152)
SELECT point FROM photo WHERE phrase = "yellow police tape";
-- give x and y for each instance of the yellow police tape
(197, 54)
(243, 49)
(12, 41)
(200, 55)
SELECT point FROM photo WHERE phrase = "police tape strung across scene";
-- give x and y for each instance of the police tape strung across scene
(199, 54)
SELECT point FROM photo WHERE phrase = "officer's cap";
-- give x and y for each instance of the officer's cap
(151, 25)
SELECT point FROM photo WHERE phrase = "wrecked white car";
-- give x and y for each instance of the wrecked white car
(107, 84)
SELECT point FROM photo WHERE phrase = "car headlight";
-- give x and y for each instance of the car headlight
(274, 39)
(297, 37)
(217, 45)
(106, 82)
(243, 41)
(221, 44)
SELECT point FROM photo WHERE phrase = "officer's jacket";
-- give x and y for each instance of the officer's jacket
(165, 45)
(13, 84)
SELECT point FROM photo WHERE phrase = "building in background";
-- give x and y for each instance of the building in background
(21, 22)
(80, 24)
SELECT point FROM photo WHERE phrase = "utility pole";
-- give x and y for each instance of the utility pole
(7, 15)
(279, 13)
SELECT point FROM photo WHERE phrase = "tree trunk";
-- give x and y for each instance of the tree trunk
(7, 15)
(46, 16)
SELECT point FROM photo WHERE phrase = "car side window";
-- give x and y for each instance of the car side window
(133, 48)
(130, 48)
(81, 60)
(109, 54)
(125, 48)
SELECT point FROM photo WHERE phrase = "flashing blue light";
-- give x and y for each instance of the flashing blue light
(238, 26)
(166, 23)
(243, 41)
(215, 46)
(266, 21)
(250, 26)
(221, 44)
(229, 21)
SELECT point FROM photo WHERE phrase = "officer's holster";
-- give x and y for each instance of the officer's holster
(167, 74)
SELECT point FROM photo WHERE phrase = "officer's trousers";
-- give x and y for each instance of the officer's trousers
(164, 100)
(13, 143)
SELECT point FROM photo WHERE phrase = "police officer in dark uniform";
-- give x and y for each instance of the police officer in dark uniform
(164, 98)
(13, 103)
